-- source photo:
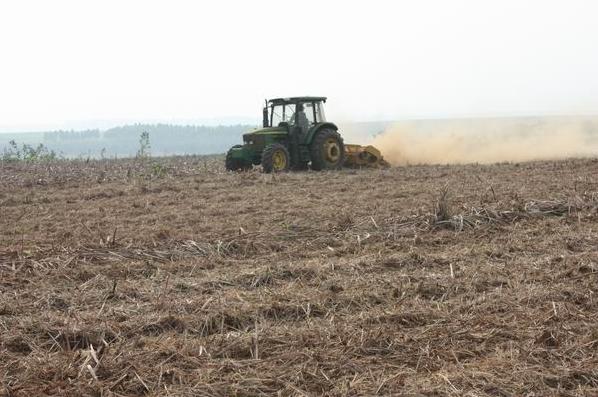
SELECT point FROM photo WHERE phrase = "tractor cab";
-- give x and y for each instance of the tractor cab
(298, 114)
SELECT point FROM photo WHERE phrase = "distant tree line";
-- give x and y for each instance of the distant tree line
(166, 139)
(60, 136)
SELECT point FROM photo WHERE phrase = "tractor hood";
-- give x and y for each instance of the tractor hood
(266, 131)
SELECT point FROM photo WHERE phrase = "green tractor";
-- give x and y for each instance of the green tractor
(295, 135)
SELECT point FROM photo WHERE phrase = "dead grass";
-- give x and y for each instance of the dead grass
(416, 281)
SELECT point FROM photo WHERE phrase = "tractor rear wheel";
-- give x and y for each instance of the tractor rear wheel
(276, 158)
(233, 164)
(327, 150)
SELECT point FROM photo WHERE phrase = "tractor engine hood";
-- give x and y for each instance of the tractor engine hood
(260, 132)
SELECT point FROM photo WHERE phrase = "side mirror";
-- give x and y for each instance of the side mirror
(265, 117)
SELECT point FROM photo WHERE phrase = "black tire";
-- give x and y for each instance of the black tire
(327, 150)
(233, 164)
(276, 158)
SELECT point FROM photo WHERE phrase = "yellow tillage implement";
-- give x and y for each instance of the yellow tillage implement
(357, 156)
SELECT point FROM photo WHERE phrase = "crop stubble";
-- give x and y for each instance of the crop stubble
(421, 280)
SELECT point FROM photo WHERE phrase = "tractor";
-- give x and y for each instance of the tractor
(296, 136)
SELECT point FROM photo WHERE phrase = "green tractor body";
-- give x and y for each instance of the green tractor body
(294, 134)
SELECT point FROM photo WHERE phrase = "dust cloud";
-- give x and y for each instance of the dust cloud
(488, 140)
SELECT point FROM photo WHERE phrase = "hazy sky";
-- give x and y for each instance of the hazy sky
(67, 63)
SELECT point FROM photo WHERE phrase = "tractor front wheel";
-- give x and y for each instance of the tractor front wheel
(276, 158)
(235, 164)
(327, 150)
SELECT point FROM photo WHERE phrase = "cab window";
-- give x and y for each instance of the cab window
(282, 114)
(308, 108)
(320, 116)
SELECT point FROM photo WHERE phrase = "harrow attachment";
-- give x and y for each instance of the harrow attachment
(357, 156)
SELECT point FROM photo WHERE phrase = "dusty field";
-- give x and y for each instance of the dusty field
(119, 278)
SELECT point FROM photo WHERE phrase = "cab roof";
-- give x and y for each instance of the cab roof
(296, 99)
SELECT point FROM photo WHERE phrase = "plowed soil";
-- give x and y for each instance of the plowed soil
(173, 277)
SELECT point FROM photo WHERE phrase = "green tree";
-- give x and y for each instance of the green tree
(144, 145)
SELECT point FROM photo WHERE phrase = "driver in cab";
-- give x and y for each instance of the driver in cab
(302, 121)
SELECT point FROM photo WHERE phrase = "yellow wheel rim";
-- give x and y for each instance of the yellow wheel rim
(279, 160)
(332, 150)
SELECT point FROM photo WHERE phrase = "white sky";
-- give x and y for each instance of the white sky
(66, 62)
